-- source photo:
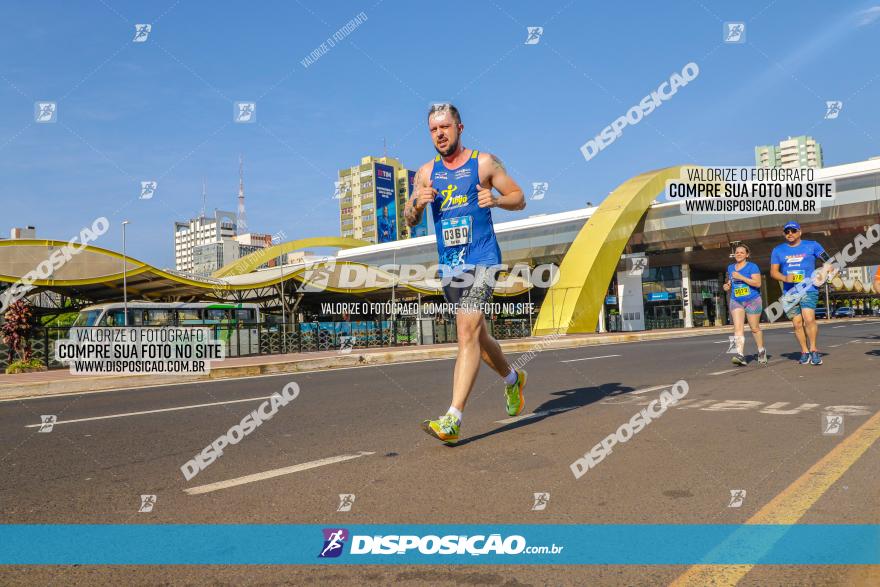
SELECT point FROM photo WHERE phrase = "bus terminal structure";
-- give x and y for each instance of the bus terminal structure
(681, 260)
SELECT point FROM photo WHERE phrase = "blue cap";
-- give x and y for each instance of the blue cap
(791, 224)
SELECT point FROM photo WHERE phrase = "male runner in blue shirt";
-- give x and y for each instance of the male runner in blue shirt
(792, 263)
(458, 186)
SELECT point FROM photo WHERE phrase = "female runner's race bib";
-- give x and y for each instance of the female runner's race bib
(741, 291)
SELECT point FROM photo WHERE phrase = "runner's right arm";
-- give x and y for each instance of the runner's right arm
(775, 273)
(775, 262)
(423, 194)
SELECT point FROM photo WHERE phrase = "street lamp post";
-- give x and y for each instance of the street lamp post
(283, 310)
(124, 278)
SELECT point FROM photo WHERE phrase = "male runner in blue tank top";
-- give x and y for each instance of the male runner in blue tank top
(458, 186)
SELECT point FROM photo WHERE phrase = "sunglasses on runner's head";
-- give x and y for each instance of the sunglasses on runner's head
(790, 230)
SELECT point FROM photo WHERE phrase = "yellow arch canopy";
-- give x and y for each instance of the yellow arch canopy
(250, 262)
(573, 303)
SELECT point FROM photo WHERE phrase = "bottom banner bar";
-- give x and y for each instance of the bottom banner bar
(173, 544)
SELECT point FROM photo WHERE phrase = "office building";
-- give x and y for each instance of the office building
(209, 257)
(200, 231)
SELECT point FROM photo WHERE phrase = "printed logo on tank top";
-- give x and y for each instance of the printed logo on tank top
(451, 200)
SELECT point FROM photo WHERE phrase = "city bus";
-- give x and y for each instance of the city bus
(235, 324)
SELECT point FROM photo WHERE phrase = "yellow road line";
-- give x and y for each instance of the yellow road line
(793, 502)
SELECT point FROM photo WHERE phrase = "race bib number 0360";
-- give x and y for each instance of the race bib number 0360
(456, 231)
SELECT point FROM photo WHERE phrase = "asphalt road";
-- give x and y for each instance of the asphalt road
(753, 428)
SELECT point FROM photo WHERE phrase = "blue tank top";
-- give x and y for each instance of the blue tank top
(465, 233)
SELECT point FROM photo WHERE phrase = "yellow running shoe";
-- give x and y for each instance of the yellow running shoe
(513, 394)
(445, 428)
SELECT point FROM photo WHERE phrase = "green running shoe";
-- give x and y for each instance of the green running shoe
(513, 394)
(445, 428)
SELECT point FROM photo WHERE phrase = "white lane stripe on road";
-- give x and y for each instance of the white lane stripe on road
(588, 358)
(125, 415)
(844, 326)
(725, 371)
(647, 389)
(533, 415)
(199, 489)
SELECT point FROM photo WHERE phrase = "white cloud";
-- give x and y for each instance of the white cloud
(868, 16)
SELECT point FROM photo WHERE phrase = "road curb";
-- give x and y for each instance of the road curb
(35, 389)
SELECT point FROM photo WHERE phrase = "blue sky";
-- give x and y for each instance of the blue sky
(163, 109)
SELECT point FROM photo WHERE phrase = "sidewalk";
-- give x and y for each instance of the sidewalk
(60, 381)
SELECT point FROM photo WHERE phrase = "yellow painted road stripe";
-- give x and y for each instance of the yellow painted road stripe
(793, 502)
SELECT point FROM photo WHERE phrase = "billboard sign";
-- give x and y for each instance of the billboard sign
(386, 204)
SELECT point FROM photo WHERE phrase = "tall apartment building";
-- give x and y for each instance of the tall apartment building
(371, 200)
(802, 151)
(200, 231)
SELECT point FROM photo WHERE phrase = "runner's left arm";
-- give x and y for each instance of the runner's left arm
(494, 175)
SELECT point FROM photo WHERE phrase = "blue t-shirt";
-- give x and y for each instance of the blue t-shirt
(740, 290)
(799, 261)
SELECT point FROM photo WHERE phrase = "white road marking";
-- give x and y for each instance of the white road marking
(533, 415)
(588, 358)
(844, 326)
(233, 401)
(199, 489)
(720, 341)
(646, 390)
(725, 371)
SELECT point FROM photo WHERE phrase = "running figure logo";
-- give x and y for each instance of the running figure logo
(141, 32)
(147, 503)
(45, 112)
(334, 540)
(637, 265)
(734, 32)
(148, 190)
(541, 501)
(346, 500)
(346, 344)
(534, 35)
(737, 497)
(245, 112)
(735, 341)
(47, 423)
(832, 424)
(832, 109)
(316, 277)
(450, 201)
(340, 190)
(539, 189)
